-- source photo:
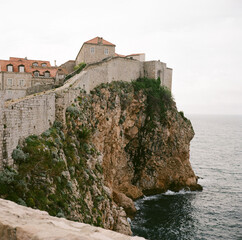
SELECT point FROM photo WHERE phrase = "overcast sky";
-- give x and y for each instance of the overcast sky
(200, 39)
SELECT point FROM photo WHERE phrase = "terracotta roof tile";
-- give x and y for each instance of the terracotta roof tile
(28, 64)
(119, 55)
(134, 54)
(99, 40)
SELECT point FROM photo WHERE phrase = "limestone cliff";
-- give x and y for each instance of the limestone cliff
(144, 140)
(120, 142)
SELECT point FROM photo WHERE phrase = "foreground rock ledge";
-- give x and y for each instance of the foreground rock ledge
(23, 223)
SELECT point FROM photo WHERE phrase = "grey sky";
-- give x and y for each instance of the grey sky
(200, 39)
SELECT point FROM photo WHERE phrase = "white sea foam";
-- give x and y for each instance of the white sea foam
(147, 198)
(181, 192)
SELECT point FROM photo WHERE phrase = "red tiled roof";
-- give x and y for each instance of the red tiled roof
(28, 66)
(134, 54)
(98, 40)
(119, 55)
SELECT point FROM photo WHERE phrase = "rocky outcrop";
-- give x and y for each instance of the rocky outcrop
(22, 223)
(145, 144)
(120, 142)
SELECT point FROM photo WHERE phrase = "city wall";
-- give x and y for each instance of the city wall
(36, 113)
(29, 116)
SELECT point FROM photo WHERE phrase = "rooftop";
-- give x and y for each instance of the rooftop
(30, 66)
(99, 40)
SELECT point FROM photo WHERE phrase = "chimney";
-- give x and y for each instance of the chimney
(100, 40)
(55, 63)
(26, 58)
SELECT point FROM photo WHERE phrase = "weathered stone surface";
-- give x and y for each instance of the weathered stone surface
(22, 223)
(125, 202)
(138, 161)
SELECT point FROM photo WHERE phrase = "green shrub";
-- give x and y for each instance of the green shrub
(46, 133)
(78, 68)
(159, 98)
(7, 176)
(183, 116)
(74, 111)
(58, 125)
(18, 155)
(84, 134)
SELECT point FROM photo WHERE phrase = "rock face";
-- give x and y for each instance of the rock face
(142, 155)
(22, 223)
(122, 141)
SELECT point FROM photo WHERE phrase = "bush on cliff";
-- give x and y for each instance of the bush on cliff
(78, 68)
(159, 98)
(53, 174)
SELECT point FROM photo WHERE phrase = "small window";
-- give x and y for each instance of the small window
(47, 74)
(36, 73)
(21, 68)
(35, 64)
(10, 82)
(44, 65)
(21, 82)
(92, 50)
(106, 51)
(10, 68)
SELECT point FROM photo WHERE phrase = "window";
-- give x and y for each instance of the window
(44, 65)
(35, 64)
(21, 68)
(106, 51)
(36, 73)
(92, 50)
(10, 68)
(21, 82)
(47, 74)
(10, 82)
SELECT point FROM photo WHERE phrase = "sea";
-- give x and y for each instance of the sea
(216, 212)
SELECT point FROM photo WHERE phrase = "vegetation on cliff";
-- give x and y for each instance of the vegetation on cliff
(52, 173)
(61, 172)
(121, 141)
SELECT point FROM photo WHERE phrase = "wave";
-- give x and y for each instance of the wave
(181, 192)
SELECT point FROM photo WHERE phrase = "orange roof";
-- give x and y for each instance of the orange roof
(134, 54)
(99, 40)
(28, 66)
(119, 55)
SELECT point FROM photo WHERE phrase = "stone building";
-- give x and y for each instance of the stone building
(18, 76)
(95, 50)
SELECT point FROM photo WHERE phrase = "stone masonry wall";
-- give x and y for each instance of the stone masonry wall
(168, 78)
(155, 69)
(34, 114)
(13, 94)
(1, 127)
(86, 56)
(114, 69)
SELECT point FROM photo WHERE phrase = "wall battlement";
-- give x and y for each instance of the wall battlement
(36, 113)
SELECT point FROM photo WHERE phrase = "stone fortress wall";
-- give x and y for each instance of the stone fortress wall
(36, 113)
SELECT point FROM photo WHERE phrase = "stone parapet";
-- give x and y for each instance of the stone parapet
(23, 223)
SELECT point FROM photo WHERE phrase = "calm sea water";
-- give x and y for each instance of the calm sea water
(214, 213)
